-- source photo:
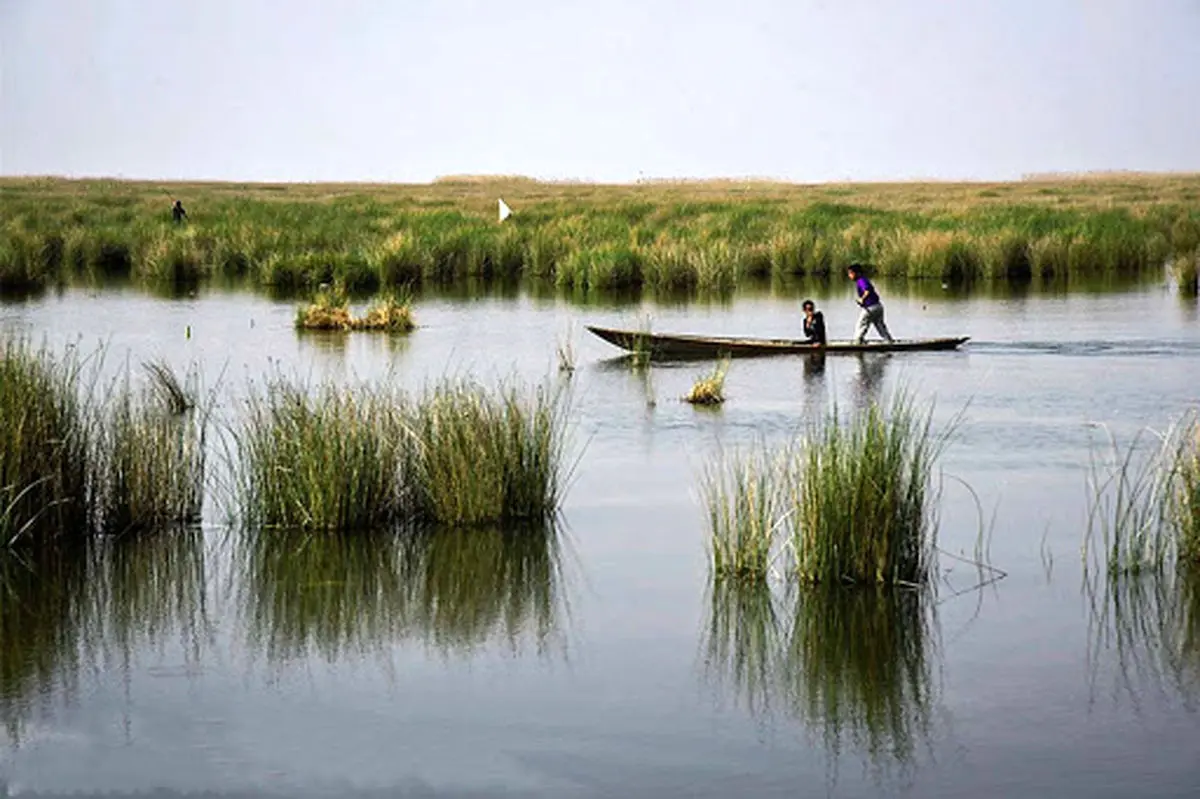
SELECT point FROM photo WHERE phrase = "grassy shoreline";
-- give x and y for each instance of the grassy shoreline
(711, 235)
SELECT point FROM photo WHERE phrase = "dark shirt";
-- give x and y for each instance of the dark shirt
(814, 329)
(177, 212)
(864, 285)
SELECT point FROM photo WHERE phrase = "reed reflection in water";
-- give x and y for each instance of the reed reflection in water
(68, 608)
(1150, 624)
(336, 595)
(854, 665)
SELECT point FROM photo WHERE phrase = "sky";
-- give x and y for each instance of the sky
(605, 90)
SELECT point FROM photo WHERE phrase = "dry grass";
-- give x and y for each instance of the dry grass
(709, 389)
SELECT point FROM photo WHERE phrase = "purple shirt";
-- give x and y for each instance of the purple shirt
(871, 297)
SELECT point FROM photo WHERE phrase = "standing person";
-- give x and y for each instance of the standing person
(177, 212)
(814, 324)
(872, 308)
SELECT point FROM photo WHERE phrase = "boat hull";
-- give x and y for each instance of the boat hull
(665, 346)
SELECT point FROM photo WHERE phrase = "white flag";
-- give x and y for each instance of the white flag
(505, 211)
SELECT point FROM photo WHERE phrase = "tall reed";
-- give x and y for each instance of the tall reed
(746, 502)
(484, 457)
(324, 458)
(864, 497)
(854, 501)
(150, 457)
(46, 465)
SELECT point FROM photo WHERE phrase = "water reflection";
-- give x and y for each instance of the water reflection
(64, 609)
(872, 368)
(455, 590)
(1148, 626)
(853, 665)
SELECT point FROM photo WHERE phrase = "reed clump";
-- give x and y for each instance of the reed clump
(338, 459)
(150, 457)
(46, 452)
(851, 502)
(390, 314)
(709, 389)
(326, 459)
(484, 457)
(330, 310)
(1144, 503)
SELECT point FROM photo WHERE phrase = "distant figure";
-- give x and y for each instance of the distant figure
(872, 308)
(814, 324)
(177, 212)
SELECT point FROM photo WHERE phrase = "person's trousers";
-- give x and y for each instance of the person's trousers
(871, 315)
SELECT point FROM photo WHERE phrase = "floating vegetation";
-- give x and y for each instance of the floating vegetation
(338, 459)
(853, 501)
(455, 590)
(331, 311)
(388, 314)
(709, 389)
(853, 663)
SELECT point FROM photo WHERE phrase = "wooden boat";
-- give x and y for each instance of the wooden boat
(680, 346)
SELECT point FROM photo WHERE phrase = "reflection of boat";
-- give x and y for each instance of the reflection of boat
(666, 345)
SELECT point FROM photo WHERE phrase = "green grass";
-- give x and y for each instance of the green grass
(46, 453)
(340, 459)
(668, 237)
(150, 457)
(321, 459)
(1144, 502)
(863, 498)
(852, 502)
(484, 457)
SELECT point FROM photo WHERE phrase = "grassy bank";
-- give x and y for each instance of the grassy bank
(665, 236)
(340, 459)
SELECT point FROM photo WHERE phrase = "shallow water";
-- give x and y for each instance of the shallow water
(475, 666)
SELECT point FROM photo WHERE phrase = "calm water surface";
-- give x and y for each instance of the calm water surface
(599, 663)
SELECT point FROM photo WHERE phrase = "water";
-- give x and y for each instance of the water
(476, 666)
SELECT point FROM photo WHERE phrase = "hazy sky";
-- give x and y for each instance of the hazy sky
(605, 89)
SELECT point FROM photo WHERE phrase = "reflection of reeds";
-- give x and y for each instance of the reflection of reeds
(61, 605)
(854, 664)
(339, 595)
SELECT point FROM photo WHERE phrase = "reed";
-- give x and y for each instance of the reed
(746, 500)
(46, 457)
(666, 237)
(484, 457)
(709, 389)
(1183, 509)
(330, 310)
(149, 457)
(390, 313)
(863, 498)
(322, 459)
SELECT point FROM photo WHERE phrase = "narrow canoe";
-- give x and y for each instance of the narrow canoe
(664, 345)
